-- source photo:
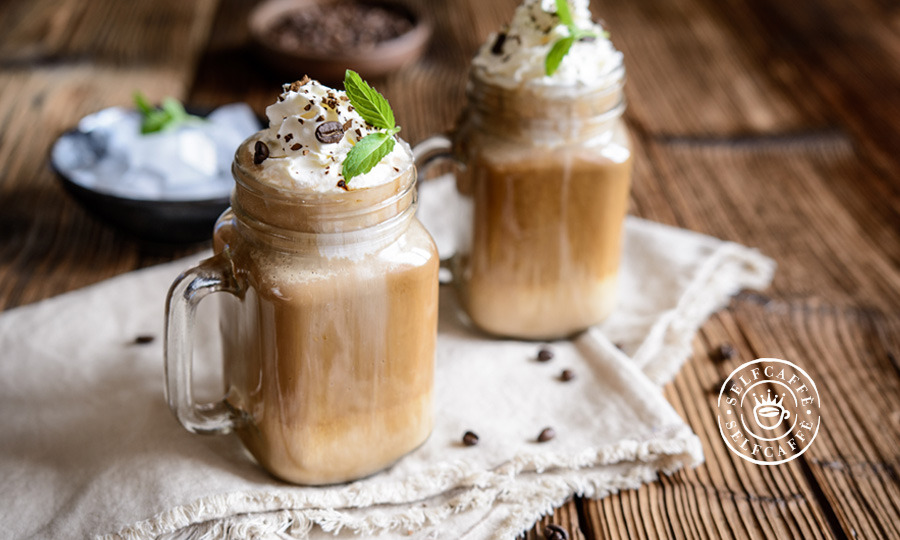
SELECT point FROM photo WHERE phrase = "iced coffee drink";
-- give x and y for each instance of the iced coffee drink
(329, 347)
(546, 177)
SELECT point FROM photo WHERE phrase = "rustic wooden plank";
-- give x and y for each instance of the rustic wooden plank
(781, 199)
(688, 74)
(566, 516)
(847, 351)
(104, 32)
(847, 55)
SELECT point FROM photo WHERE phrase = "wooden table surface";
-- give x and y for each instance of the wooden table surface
(770, 123)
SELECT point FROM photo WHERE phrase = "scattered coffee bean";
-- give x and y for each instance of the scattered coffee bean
(545, 355)
(497, 48)
(723, 352)
(261, 152)
(555, 532)
(547, 434)
(329, 132)
(470, 439)
(144, 339)
(717, 387)
(566, 375)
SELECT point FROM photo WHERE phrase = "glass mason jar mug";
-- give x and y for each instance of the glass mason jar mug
(543, 179)
(329, 349)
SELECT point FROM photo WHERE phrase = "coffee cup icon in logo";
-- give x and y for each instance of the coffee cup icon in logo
(769, 412)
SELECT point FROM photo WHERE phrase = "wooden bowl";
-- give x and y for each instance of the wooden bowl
(371, 62)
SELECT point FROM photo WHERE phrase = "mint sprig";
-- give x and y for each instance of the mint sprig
(169, 116)
(561, 47)
(375, 110)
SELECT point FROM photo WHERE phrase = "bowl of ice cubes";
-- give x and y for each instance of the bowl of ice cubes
(158, 173)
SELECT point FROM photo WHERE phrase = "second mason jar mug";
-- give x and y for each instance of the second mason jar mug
(543, 179)
(329, 349)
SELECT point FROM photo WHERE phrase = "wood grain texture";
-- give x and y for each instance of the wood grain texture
(773, 124)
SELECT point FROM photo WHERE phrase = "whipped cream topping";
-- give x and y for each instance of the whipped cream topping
(301, 160)
(516, 55)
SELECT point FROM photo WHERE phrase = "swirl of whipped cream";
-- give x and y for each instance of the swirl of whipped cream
(516, 55)
(299, 160)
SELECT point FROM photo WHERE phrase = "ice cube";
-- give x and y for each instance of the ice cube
(73, 151)
(236, 116)
(184, 156)
(107, 174)
(145, 184)
(197, 150)
(230, 125)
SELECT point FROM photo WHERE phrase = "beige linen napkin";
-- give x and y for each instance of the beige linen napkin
(88, 446)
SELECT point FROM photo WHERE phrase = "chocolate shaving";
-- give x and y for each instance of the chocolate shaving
(343, 185)
(288, 137)
(308, 107)
(347, 125)
(295, 86)
(296, 146)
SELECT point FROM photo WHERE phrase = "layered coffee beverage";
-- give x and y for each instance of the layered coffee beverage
(329, 347)
(546, 178)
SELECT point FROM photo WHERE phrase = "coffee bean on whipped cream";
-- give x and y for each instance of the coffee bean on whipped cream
(260, 153)
(497, 48)
(566, 375)
(545, 355)
(555, 532)
(329, 132)
(470, 438)
(547, 434)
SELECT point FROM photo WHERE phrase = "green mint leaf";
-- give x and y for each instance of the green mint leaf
(169, 116)
(366, 154)
(154, 121)
(175, 110)
(556, 54)
(371, 105)
(140, 101)
(565, 16)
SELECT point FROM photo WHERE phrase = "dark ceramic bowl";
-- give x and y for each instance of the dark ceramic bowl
(153, 220)
(371, 62)
(171, 221)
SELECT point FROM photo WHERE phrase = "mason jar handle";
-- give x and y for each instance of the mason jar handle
(430, 151)
(425, 154)
(211, 275)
